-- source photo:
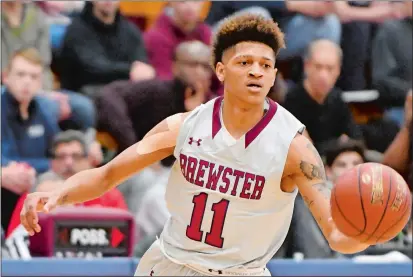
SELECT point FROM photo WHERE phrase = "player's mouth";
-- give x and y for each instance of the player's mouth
(254, 86)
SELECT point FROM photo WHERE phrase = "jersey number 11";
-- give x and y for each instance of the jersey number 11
(193, 231)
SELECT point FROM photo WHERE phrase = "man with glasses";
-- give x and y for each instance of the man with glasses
(69, 156)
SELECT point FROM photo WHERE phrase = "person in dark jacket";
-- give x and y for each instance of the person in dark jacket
(101, 46)
(27, 128)
(316, 102)
(27, 124)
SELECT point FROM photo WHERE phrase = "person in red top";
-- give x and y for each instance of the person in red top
(111, 199)
(178, 23)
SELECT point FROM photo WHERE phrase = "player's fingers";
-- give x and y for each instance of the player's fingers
(35, 220)
(41, 202)
(31, 213)
(23, 221)
(50, 205)
(29, 219)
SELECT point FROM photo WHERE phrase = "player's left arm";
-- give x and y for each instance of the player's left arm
(305, 169)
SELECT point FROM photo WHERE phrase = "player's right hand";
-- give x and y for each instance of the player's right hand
(34, 203)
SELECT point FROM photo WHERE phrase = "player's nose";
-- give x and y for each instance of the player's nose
(255, 71)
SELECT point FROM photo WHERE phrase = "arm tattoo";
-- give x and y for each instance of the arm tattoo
(319, 160)
(315, 172)
(308, 201)
(318, 218)
(312, 171)
(324, 189)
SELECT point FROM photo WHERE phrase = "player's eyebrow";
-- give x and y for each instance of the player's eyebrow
(268, 59)
(251, 56)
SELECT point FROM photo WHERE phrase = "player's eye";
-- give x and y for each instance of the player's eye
(243, 63)
(267, 66)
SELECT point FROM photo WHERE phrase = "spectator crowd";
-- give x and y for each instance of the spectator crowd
(83, 80)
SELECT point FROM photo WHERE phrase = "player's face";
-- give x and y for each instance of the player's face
(23, 79)
(345, 161)
(322, 70)
(247, 71)
(69, 159)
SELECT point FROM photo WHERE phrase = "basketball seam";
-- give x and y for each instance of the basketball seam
(344, 217)
(385, 209)
(401, 217)
(361, 199)
(397, 222)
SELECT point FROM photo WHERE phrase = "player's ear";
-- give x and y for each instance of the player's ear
(220, 71)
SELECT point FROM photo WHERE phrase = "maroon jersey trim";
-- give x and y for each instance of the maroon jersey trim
(216, 120)
(251, 134)
(257, 129)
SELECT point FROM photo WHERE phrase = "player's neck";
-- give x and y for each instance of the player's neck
(239, 117)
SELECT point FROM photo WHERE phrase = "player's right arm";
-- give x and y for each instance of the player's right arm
(158, 144)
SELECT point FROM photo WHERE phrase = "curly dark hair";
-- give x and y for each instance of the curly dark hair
(246, 27)
(335, 147)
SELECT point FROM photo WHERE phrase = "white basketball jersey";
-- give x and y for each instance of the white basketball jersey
(227, 208)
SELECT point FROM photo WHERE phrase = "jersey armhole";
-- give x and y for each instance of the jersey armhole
(186, 126)
(300, 131)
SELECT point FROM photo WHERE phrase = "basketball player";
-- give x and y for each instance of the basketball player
(241, 159)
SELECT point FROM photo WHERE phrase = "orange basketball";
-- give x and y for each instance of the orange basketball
(371, 203)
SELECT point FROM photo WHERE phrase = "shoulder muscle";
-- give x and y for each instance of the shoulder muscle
(158, 144)
(163, 135)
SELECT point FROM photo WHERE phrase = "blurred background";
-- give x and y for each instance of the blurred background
(84, 80)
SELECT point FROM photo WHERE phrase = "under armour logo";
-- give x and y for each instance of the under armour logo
(219, 271)
(191, 140)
